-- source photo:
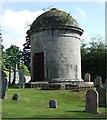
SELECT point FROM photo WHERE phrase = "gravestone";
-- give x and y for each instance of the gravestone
(92, 101)
(22, 79)
(3, 86)
(98, 81)
(87, 77)
(102, 96)
(53, 104)
(16, 97)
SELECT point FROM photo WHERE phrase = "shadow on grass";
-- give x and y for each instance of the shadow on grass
(74, 111)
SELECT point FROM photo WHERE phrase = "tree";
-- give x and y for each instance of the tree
(1, 48)
(24, 69)
(94, 58)
(1, 40)
(26, 52)
(11, 58)
(83, 58)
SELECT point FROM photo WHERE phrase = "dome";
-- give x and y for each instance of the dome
(54, 17)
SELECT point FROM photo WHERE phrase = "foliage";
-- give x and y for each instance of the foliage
(4, 74)
(1, 40)
(94, 58)
(64, 17)
(34, 104)
(11, 57)
(1, 48)
(24, 68)
(26, 52)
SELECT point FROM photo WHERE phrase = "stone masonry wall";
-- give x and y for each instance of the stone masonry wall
(61, 49)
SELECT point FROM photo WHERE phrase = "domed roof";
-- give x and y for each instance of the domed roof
(54, 17)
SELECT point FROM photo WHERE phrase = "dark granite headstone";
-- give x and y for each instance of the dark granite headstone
(16, 97)
(3, 87)
(102, 96)
(53, 104)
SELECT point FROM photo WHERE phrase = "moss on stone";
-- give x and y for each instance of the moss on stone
(54, 17)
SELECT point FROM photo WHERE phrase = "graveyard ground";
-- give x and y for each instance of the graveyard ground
(33, 103)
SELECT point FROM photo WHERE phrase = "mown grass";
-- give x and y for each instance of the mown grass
(33, 103)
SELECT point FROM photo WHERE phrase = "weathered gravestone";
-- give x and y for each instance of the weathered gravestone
(102, 96)
(3, 86)
(53, 104)
(21, 79)
(92, 101)
(98, 81)
(16, 97)
(87, 77)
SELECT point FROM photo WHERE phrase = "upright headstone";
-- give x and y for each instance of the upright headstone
(98, 81)
(16, 97)
(87, 77)
(21, 79)
(53, 104)
(3, 86)
(102, 96)
(92, 101)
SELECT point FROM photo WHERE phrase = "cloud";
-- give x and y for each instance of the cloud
(0, 7)
(14, 25)
(82, 13)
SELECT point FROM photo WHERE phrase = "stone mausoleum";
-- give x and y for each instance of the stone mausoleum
(55, 47)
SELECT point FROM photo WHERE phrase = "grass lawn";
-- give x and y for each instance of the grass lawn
(33, 103)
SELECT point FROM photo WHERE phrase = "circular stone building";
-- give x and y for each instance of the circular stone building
(55, 47)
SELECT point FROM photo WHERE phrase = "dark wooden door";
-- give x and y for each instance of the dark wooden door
(38, 67)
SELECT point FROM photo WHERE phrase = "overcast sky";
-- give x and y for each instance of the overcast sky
(15, 18)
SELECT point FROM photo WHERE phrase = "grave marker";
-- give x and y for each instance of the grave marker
(21, 79)
(3, 86)
(102, 96)
(98, 81)
(87, 77)
(53, 104)
(92, 101)
(16, 97)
